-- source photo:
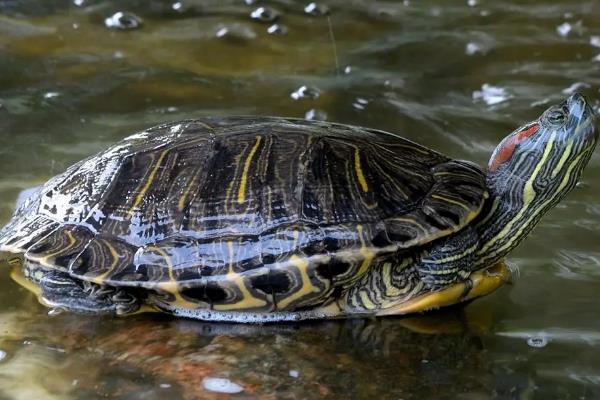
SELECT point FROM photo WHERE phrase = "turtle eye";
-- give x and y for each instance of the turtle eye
(556, 117)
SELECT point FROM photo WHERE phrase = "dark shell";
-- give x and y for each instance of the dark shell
(193, 208)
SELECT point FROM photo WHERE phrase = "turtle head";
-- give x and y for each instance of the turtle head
(533, 168)
(545, 157)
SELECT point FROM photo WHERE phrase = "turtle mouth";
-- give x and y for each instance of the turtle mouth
(579, 111)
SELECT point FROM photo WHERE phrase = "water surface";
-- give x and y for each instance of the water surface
(455, 75)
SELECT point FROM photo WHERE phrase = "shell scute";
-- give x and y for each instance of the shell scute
(105, 258)
(61, 247)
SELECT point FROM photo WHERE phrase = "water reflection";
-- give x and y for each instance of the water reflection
(289, 361)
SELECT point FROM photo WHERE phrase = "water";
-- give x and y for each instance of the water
(455, 75)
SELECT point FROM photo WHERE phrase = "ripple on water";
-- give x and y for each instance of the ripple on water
(123, 20)
(578, 265)
(491, 95)
(584, 377)
(558, 335)
(577, 86)
(235, 31)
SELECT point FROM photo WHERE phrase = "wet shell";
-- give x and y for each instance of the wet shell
(244, 213)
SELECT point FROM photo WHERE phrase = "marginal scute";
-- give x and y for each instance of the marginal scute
(21, 233)
(102, 259)
(455, 198)
(60, 248)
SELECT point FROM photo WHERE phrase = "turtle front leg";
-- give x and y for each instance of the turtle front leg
(438, 276)
(59, 289)
(480, 283)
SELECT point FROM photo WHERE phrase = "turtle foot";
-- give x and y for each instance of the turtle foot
(59, 289)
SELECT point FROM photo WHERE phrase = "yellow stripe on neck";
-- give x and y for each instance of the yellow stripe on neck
(528, 197)
(529, 191)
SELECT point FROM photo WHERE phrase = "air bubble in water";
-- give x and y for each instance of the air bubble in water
(55, 311)
(564, 29)
(264, 14)
(305, 92)
(222, 32)
(123, 20)
(51, 95)
(221, 385)
(537, 341)
(316, 9)
(314, 114)
(277, 29)
(472, 48)
(360, 103)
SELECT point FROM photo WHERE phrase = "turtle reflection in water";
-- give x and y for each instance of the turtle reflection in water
(254, 219)
(273, 361)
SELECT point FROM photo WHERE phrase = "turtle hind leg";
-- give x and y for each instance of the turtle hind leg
(59, 289)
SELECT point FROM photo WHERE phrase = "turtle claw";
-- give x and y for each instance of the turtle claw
(104, 291)
(125, 303)
(96, 291)
(60, 290)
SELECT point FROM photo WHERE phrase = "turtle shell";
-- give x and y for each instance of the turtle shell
(244, 212)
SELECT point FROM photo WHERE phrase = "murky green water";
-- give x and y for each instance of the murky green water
(453, 75)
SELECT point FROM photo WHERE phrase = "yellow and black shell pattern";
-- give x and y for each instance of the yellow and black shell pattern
(244, 213)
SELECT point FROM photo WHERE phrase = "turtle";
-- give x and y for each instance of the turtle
(265, 219)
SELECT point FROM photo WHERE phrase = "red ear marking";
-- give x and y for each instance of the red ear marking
(527, 132)
(508, 147)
